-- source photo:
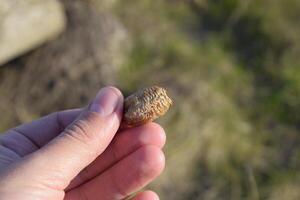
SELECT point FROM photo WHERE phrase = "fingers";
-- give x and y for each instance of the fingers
(81, 142)
(146, 195)
(127, 176)
(29, 137)
(123, 144)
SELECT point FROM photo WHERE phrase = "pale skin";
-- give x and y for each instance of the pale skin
(81, 154)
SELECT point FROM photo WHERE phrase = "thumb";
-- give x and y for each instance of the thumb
(82, 141)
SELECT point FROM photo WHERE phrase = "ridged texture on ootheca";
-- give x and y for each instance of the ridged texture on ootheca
(146, 105)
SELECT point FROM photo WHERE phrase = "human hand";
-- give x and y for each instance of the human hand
(77, 155)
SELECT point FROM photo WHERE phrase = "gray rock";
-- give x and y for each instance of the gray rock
(25, 25)
(68, 71)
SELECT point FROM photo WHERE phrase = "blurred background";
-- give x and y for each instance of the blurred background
(231, 66)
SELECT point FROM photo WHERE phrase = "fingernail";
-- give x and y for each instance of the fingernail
(105, 102)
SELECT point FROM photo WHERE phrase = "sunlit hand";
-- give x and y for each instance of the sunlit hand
(77, 155)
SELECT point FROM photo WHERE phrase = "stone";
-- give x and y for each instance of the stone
(25, 25)
(68, 71)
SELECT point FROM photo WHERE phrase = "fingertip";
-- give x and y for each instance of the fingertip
(148, 134)
(151, 159)
(146, 195)
(158, 131)
(108, 102)
(119, 108)
(116, 90)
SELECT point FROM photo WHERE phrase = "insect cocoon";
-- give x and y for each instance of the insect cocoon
(145, 105)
